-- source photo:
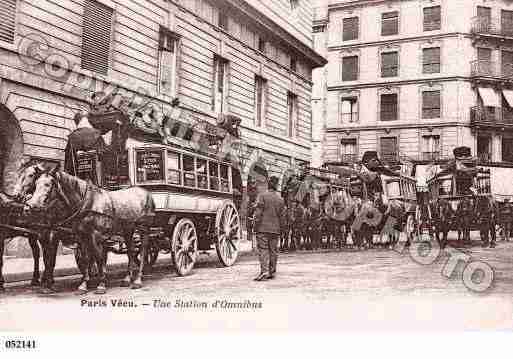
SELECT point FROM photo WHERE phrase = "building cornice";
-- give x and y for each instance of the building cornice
(400, 40)
(272, 29)
(397, 83)
(391, 126)
(354, 3)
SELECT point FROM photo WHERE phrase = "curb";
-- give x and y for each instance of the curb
(71, 269)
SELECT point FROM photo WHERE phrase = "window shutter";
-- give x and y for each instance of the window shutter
(350, 28)
(431, 104)
(432, 18)
(388, 147)
(389, 64)
(166, 71)
(390, 23)
(96, 36)
(507, 22)
(388, 107)
(484, 13)
(507, 63)
(350, 68)
(7, 20)
(431, 60)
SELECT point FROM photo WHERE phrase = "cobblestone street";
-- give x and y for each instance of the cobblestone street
(327, 290)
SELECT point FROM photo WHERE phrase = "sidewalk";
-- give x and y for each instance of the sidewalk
(20, 269)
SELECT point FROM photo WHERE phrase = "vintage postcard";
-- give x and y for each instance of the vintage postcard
(255, 165)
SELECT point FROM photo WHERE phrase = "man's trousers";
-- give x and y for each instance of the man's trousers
(267, 244)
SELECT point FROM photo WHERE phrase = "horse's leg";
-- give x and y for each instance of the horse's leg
(144, 248)
(96, 245)
(84, 265)
(36, 252)
(2, 239)
(130, 254)
(50, 245)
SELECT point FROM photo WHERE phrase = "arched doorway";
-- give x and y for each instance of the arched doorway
(11, 149)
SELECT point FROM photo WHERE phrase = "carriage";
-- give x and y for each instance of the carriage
(196, 193)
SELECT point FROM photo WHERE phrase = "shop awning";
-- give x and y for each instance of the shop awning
(508, 94)
(489, 97)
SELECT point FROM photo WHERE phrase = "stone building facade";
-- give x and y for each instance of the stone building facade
(250, 59)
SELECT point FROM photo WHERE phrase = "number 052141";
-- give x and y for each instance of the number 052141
(19, 344)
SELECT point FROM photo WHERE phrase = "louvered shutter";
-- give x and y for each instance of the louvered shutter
(431, 60)
(388, 107)
(431, 104)
(96, 36)
(390, 23)
(166, 71)
(389, 64)
(350, 68)
(350, 28)
(507, 22)
(388, 148)
(432, 17)
(507, 63)
(7, 20)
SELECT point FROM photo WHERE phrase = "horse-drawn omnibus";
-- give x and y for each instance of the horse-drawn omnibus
(190, 196)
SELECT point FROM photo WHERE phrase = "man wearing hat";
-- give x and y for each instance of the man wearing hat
(83, 138)
(269, 221)
(506, 214)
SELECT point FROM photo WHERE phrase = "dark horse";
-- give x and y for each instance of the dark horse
(25, 179)
(465, 217)
(95, 214)
(486, 210)
(442, 218)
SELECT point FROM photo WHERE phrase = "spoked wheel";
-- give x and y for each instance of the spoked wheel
(184, 246)
(228, 233)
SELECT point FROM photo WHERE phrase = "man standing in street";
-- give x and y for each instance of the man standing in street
(269, 216)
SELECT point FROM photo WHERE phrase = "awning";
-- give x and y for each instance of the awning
(489, 97)
(508, 94)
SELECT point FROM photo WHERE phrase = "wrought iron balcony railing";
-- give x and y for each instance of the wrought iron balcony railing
(392, 157)
(484, 157)
(486, 116)
(349, 117)
(491, 26)
(482, 68)
(431, 156)
(349, 158)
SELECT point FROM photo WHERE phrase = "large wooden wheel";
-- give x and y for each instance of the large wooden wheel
(184, 246)
(228, 233)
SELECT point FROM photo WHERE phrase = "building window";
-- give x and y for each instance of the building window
(348, 150)
(484, 18)
(507, 149)
(261, 45)
(388, 149)
(349, 110)
(388, 107)
(260, 100)
(507, 63)
(350, 68)
(220, 84)
(222, 20)
(432, 18)
(96, 37)
(431, 148)
(389, 64)
(507, 22)
(293, 63)
(390, 23)
(431, 60)
(319, 28)
(484, 144)
(294, 4)
(431, 104)
(350, 28)
(7, 20)
(167, 62)
(292, 113)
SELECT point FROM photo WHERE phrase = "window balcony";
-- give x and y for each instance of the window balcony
(392, 157)
(492, 27)
(349, 117)
(431, 156)
(349, 158)
(482, 68)
(491, 117)
(484, 157)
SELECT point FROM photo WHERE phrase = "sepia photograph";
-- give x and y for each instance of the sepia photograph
(211, 166)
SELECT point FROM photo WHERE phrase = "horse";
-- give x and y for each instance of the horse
(95, 214)
(295, 215)
(26, 176)
(486, 210)
(465, 217)
(442, 216)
